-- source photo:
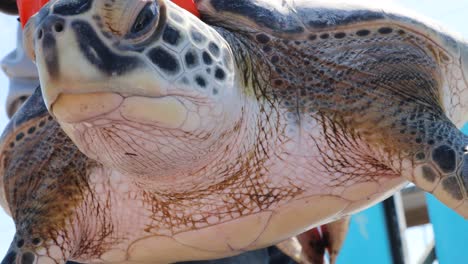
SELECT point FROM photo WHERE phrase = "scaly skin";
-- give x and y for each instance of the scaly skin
(204, 141)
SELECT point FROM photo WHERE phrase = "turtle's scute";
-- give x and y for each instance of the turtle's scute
(71, 8)
(164, 59)
(171, 35)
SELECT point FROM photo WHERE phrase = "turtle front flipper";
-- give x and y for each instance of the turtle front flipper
(396, 84)
(43, 184)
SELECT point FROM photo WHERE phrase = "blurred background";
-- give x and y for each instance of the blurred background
(401, 230)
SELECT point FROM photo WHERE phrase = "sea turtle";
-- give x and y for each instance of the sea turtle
(190, 139)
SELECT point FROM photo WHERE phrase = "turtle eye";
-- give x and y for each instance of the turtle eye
(145, 19)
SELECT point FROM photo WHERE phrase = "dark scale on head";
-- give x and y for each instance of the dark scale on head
(214, 49)
(220, 74)
(164, 60)
(171, 35)
(207, 58)
(444, 157)
(70, 8)
(191, 59)
(200, 81)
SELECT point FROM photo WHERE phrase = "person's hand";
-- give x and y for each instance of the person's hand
(9, 7)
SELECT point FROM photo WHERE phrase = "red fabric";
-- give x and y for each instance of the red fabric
(188, 5)
(27, 8)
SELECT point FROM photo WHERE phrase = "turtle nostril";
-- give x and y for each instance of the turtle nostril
(58, 27)
(20, 243)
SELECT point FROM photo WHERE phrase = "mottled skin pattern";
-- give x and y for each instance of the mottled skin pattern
(206, 139)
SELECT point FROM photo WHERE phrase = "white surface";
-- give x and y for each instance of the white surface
(451, 13)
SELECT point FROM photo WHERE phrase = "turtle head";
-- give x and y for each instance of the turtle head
(145, 81)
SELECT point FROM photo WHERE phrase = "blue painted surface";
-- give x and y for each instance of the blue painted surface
(450, 232)
(367, 240)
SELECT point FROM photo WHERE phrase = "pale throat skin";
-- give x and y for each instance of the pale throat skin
(216, 136)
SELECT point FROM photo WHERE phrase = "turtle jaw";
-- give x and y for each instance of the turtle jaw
(164, 112)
